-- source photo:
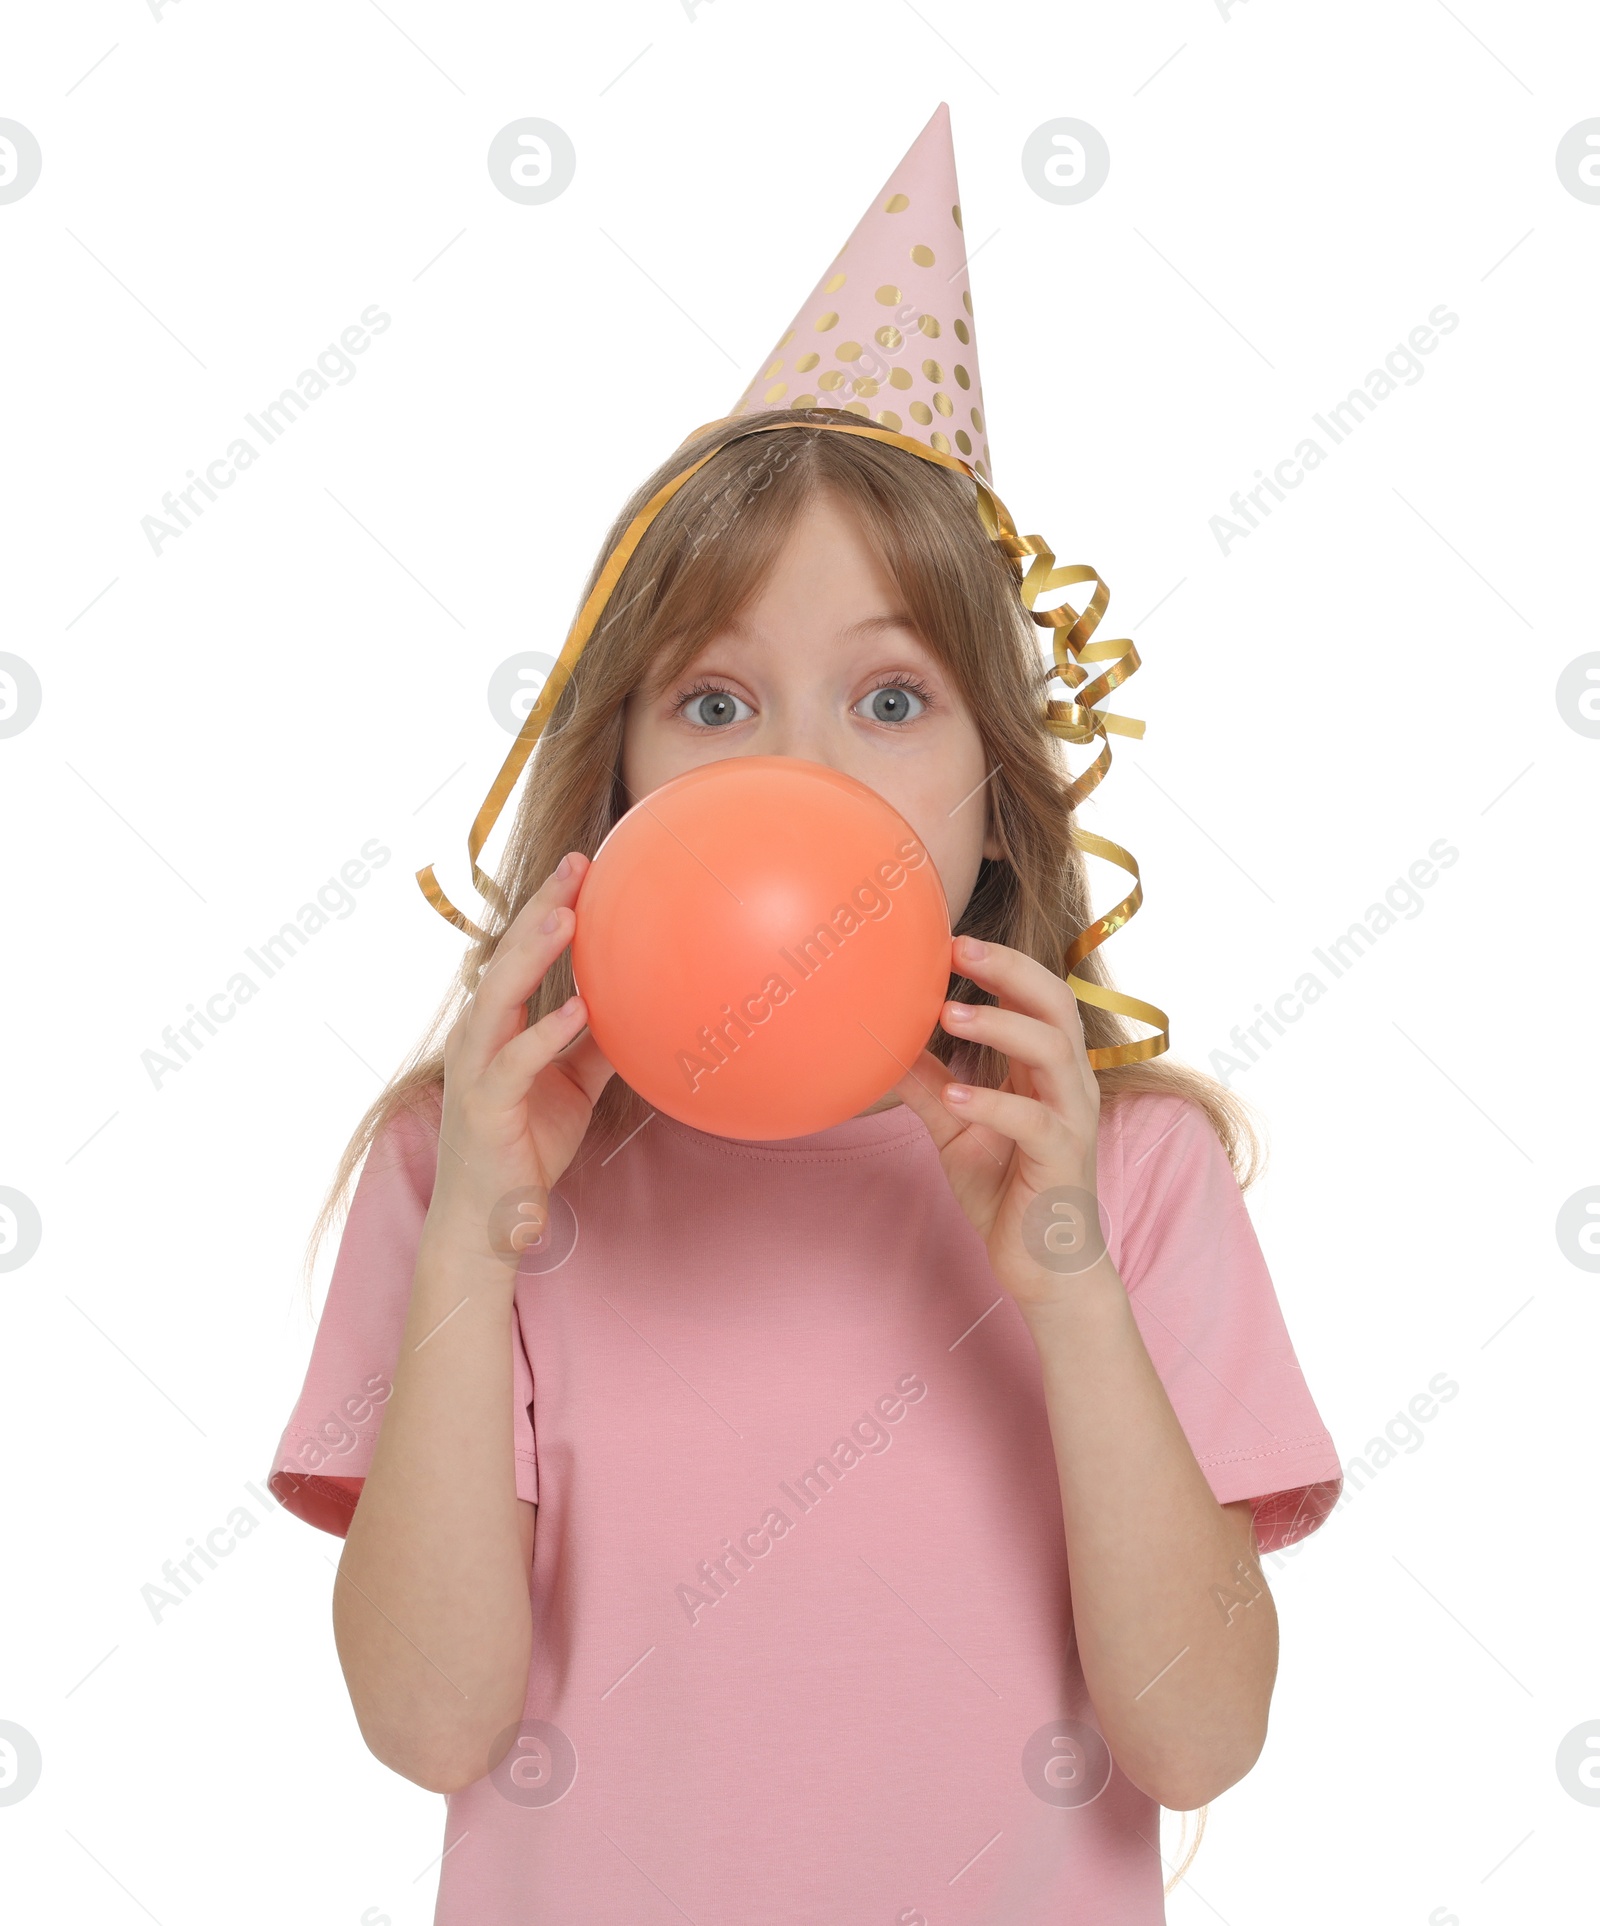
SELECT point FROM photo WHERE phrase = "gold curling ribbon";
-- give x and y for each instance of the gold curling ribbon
(1076, 721)
(533, 723)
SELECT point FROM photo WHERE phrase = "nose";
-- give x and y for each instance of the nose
(806, 732)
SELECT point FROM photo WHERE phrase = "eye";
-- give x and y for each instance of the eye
(710, 706)
(892, 702)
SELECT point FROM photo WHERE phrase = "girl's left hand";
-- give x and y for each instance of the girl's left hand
(1021, 1160)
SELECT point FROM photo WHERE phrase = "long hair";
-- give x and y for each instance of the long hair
(703, 557)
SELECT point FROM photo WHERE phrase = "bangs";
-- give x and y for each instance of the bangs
(712, 548)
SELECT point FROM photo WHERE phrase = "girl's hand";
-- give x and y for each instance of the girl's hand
(1020, 1159)
(517, 1096)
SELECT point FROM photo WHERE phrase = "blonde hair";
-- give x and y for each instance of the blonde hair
(1193, 1847)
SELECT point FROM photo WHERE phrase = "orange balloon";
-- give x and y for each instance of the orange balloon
(763, 945)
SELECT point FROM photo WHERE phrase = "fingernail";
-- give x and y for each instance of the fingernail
(959, 1013)
(564, 867)
(550, 921)
(973, 950)
(956, 1093)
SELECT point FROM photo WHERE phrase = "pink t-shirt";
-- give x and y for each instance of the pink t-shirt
(802, 1627)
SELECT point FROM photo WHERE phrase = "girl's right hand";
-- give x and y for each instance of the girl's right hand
(517, 1096)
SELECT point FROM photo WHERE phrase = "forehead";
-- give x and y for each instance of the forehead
(808, 642)
(827, 572)
(826, 584)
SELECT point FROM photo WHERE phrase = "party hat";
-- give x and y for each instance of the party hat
(887, 332)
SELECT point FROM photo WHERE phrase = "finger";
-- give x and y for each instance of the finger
(1036, 1130)
(919, 1090)
(524, 936)
(505, 1078)
(922, 1090)
(1021, 982)
(582, 1062)
(1047, 1051)
(496, 1012)
(588, 1064)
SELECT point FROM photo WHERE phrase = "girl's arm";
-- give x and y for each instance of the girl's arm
(1177, 1634)
(431, 1611)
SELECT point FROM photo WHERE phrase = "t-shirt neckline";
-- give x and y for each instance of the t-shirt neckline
(898, 1123)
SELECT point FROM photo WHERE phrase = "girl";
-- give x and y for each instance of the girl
(862, 1526)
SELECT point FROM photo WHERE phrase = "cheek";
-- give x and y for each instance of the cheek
(965, 833)
(654, 749)
(953, 831)
(958, 871)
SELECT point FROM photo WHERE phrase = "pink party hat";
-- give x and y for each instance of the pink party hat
(887, 332)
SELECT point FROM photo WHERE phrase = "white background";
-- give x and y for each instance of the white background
(1292, 190)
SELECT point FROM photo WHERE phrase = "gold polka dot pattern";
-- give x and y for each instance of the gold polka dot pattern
(897, 286)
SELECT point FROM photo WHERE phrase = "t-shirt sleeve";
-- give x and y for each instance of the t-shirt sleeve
(326, 1448)
(1186, 1250)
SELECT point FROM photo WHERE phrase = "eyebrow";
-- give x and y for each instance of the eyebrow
(874, 623)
